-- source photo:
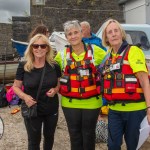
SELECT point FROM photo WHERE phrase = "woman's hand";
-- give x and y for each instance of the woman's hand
(51, 92)
(29, 100)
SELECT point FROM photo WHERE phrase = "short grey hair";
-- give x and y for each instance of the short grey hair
(85, 23)
(71, 24)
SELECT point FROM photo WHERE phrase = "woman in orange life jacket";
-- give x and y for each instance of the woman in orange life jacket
(81, 101)
(126, 87)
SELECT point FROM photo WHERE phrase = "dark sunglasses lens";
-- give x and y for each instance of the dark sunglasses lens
(43, 46)
(36, 46)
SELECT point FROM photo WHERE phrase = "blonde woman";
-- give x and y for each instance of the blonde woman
(37, 56)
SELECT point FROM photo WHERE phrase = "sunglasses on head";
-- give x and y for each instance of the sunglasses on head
(36, 46)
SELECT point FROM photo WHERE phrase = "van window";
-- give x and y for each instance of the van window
(139, 38)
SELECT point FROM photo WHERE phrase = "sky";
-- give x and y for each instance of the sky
(9, 8)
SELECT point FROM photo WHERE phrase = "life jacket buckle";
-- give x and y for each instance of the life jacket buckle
(78, 63)
(69, 61)
(87, 61)
(79, 78)
(81, 90)
(108, 91)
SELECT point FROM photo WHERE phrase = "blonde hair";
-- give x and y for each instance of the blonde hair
(105, 42)
(71, 24)
(29, 57)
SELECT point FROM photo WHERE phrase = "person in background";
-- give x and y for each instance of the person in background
(89, 37)
(38, 55)
(126, 87)
(81, 99)
(39, 29)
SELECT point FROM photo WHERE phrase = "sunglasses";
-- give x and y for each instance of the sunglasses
(36, 46)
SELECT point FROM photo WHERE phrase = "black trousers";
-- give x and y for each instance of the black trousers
(34, 129)
(81, 125)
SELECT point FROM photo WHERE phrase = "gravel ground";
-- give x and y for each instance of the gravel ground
(15, 138)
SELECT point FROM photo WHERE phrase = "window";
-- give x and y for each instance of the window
(139, 38)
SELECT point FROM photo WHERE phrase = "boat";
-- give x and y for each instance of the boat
(20, 46)
(58, 42)
(8, 70)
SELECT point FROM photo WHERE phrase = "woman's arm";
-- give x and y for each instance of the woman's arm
(144, 82)
(53, 91)
(17, 87)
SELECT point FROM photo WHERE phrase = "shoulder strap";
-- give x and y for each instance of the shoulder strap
(62, 57)
(124, 53)
(92, 50)
(41, 81)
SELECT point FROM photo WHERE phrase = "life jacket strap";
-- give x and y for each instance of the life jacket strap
(83, 90)
(79, 78)
(120, 90)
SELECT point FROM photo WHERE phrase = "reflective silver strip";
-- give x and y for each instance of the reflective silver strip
(63, 80)
(125, 62)
(93, 61)
(130, 79)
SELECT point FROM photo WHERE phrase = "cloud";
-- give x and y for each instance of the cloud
(9, 8)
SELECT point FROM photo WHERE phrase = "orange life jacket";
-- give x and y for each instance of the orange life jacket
(80, 77)
(119, 81)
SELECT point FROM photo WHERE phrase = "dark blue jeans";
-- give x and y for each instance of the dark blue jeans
(127, 124)
(81, 125)
(34, 128)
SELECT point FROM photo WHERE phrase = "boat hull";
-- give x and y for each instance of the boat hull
(8, 70)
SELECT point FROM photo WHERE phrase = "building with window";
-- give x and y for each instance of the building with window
(136, 11)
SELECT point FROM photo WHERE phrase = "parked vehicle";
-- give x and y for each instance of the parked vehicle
(137, 34)
(58, 41)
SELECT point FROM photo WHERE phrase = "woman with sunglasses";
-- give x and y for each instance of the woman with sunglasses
(81, 100)
(38, 56)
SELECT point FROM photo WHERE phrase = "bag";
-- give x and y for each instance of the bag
(15, 100)
(101, 131)
(3, 101)
(29, 112)
(12, 98)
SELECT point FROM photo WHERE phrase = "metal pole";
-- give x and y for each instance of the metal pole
(5, 63)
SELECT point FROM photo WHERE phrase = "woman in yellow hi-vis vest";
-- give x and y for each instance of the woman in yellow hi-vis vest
(81, 99)
(126, 87)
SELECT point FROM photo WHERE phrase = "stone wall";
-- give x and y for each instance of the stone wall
(21, 27)
(54, 13)
(5, 39)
